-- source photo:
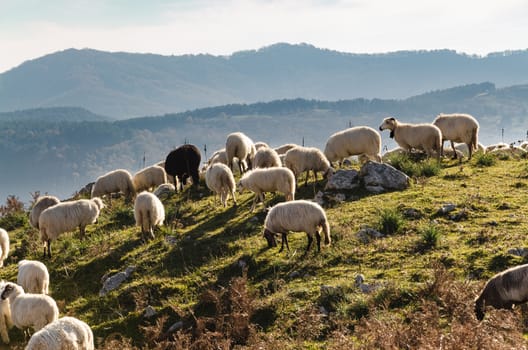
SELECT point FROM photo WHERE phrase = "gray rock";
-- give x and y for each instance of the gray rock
(176, 326)
(294, 274)
(381, 177)
(149, 312)
(412, 213)
(522, 252)
(343, 180)
(115, 281)
(446, 208)
(366, 234)
(319, 198)
(171, 240)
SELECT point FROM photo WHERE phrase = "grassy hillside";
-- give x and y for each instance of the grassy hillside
(210, 268)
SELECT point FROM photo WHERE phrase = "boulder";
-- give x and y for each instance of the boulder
(381, 177)
(343, 179)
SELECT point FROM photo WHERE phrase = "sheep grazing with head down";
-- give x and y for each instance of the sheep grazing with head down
(296, 216)
(504, 290)
(42, 203)
(67, 216)
(149, 177)
(239, 146)
(148, 212)
(164, 190)
(462, 128)
(29, 310)
(268, 180)
(285, 148)
(115, 181)
(220, 180)
(267, 158)
(300, 159)
(426, 137)
(182, 163)
(359, 140)
(33, 276)
(4, 246)
(66, 333)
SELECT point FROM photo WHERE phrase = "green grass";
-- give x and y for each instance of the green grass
(428, 273)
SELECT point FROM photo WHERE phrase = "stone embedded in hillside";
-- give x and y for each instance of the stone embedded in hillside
(343, 180)
(381, 177)
(446, 208)
(329, 198)
(413, 214)
(522, 252)
(366, 234)
(149, 312)
(115, 281)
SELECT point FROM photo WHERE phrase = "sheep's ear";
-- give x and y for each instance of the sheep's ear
(392, 119)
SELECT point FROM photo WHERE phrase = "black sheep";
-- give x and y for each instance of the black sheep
(183, 162)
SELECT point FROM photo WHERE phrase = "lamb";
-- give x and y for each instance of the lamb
(148, 212)
(149, 177)
(297, 216)
(182, 163)
(29, 310)
(65, 333)
(67, 216)
(240, 146)
(267, 158)
(427, 137)
(118, 180)
(361, 140)
(504, 290)
(300, 159)
(40, 205)
(268, 180)
(33, 276)
(285, 148)
(220, 180)
(461, 128)
(4, 246)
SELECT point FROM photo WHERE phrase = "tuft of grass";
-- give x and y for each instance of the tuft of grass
(413, 168)
(429, 237)
(484, 159)
(390, 221)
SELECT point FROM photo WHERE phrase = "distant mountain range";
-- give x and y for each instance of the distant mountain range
(58, 151)
(125, 85)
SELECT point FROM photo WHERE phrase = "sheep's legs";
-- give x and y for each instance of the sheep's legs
(318, 237)
(284, 240)
(310, 240)
(455, 156)
(48, 245)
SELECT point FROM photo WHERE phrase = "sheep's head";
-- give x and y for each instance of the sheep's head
(6, 290)
(241, 187)
(359, 279)
(270, 237)
(388, 123)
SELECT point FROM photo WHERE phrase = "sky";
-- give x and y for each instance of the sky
(33, 28)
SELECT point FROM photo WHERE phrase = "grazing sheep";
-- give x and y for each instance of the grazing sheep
(219, 156)
(114, 181)
(462, 147)
(240, 146)
(268, 180)
(182, 163)
(149, 177)
(5, 317)
(297, 216)
(4, 246)
(285, 148)
(504, 290)
(220, 180)
(33, 276)
(66, 333)
(500, 145)
(461, 128)
(261, 145)
(514, 151)
(29, 310)
(300, 159)
(148, 212)
(267, 158)
(42, 203)
(360, 140)
(67, 216)
(164, 190)
(427, 137)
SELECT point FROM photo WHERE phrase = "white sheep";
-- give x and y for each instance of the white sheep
(219, 156)
(33, 276)
(360, 140)
(285, 148)
(148, 212)
(261, 145)
(240, 146)
(66, 333)
(5, 317)
(462, 128)
(267, 158)
(114, 181)
(504, 290)
(264, 180)
(500, 145)
(296, 216)
(149, 177)
(67, 216)
(300, 159)
(4, 246)
(40, 205)
(427, 137)
(220, 180)
(462, 147)
(164, 190)
(29, 310)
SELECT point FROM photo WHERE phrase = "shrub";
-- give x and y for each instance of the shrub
(415, 167)
(390, 221)
(430, 236)
(484, 159)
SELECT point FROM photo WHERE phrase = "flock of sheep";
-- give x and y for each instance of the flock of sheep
(262, 169)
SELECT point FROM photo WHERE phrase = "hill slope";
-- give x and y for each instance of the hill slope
(189, 272)
(125, 85)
